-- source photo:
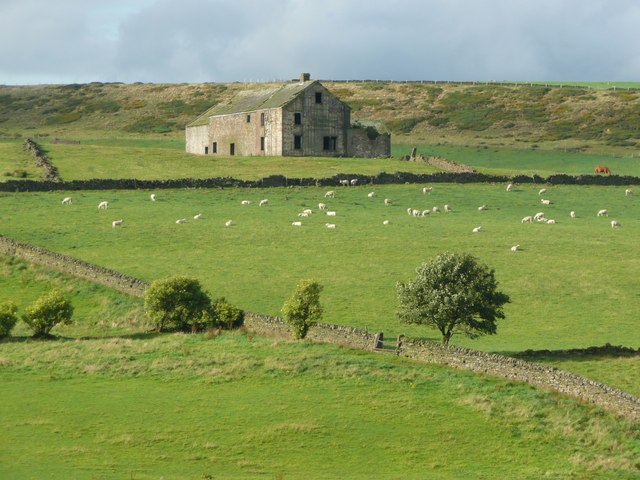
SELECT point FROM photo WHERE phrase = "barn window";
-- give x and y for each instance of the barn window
(318, 97)
(248, 118)
(263, 119)
(214, 148)
(329, 143)
(297, 119)
(297, 142)
(206, 149)
(232, 149)
(262, 144)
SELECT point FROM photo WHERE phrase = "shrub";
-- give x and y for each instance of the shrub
(177, 303)
(8, 318)
(48, 311)
(227, 315)
(303, 309)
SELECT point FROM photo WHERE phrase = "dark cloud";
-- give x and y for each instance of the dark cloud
(224, 40)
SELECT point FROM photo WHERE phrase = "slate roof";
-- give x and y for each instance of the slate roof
(252, 100)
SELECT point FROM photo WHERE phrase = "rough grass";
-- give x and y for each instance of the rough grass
(185, 406)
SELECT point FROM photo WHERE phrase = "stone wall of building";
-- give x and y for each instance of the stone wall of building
(197, 139)
(363, 145)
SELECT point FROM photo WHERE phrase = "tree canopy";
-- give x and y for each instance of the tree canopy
(303, 309)
(176, 303)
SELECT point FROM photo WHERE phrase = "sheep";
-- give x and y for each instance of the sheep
(515, 248)
(572, 214)
(331, 213)
(344, 182)
(263, 202)
(482, 207)
(477, 230)
(526, 219)
(603, 213)
(538, 217)
(628, 192)
(67, 201)
(330, 194)
(386, 222)
(615, 224)
(245, 202)
(551, 221)
(509, 187)
(197, 217)
(541, 191)
(330, 225)
(387, 201)
(435, 210)
(180, 221)
(354, 181)
(322, 206)
(117, 223)
(409, 211)
(152, 197)
(371, 194)
(228, 223)
(308, 211)
(103, 205)
(425, 213)
(303, 214)
(447, 208)
(545, 202)
(427, 189)
(296, 224)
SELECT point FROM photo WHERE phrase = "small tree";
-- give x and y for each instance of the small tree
(8, 318)
(48, 311)
(227, 315)
(176, 303)
(455, 294)
(303, 309)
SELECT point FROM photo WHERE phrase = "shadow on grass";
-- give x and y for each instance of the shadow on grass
(576, 354)
(58, 338)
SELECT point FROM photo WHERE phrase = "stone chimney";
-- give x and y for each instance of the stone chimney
(305, 77)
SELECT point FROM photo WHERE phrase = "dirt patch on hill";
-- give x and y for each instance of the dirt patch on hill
(441, 163)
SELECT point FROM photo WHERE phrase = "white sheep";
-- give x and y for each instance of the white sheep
(371, 194)
(354, 181)
(409, 211)
(331, 213)
(509, 187)
(628, 192)
(551, 221)
(308, 211)
(416, 213)
(425, 213)
(427, 189)
(515, 248)
(296, 224)
(330, 194)
(67, 201)
(572, 214)
(386, 222)
(152, 197)
(603, 213)
(245, 202)
(263, 202)
(435, 210)
(545, 202)
(303, 214)
(197, 217)
(180, 221)
(526, 219)
(322, 206)
(538, 217)
(482, 207)
(541, 191)
(117, 223)
(615, 224)
(477, 230)
(330, 225)
(228, 223)
(103, 205)
(387, 201)
(344, 182)
(447, 208)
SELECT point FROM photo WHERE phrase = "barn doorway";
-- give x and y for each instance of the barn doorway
(232, 149)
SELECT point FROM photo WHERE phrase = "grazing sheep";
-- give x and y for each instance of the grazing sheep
(330, 194)
(331, 213)
(545, 202)
(628, 192)
(371, 194)
(386, 222)
(435, 210)
(387, 201)
(538, 217)
(67, 201)
(603, 213)
(526, 219)
(228, 223)
(515, 248)
(427, 189)
(330, 225)
(482, 207)
(425, 213)
(354, 181)
(180, 221)
(509, 187)
(197, 217)
(322, 206)
(263, 202)
(409, 211)
(344, 182)
(103, 205)
(551, 221)
(152, 197)
(447, 208)
(296, 224)
(414, 213)
(615, 224)
(572, 214)
(303, 214)
(541, 191)
(117, 223)
(477, 230)
(308, 211)
(245, 202)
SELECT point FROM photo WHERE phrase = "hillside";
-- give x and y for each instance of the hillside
(519, 115)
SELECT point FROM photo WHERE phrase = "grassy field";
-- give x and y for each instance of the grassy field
(236, 406)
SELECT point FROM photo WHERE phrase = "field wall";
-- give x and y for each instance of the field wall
(282, 181)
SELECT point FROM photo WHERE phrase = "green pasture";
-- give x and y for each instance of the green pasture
(237, 406)
(15, 163)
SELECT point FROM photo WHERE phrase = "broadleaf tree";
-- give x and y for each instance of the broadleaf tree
(46, 312)
(303, 308)
(454, 293)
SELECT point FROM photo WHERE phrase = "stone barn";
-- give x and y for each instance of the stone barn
(300, 118)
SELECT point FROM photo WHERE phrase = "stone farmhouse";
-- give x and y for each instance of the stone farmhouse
(299, 118)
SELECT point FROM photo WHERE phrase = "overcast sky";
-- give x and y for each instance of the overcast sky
(80, 41)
